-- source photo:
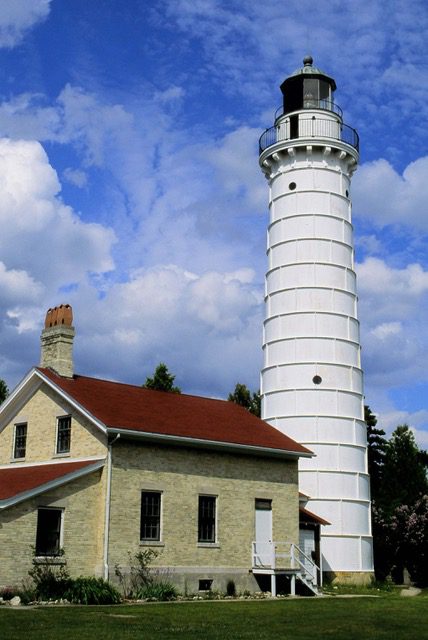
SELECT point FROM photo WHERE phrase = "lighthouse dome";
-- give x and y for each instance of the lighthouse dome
(308, 87)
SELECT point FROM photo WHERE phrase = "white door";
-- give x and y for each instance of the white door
(307, 545)
(263, 530)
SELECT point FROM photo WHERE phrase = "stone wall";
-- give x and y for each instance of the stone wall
(181, 475)
(83, 529)
(40, 413)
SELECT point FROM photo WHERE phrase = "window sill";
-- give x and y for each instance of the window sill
(208, 545)
(50, 560)
(61, 455)
(151, 543)
(17, 459)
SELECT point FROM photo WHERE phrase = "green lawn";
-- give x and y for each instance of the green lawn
(387, 617)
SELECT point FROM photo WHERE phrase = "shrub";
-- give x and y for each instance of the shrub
(7, 593)
(92, 591)
(51, 579)
(158, 591)
(138, 575)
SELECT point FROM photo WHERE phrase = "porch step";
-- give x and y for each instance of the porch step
(308, 583)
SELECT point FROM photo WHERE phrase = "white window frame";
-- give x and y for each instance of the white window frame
(19, 424)
(58, 418)
(151, 542)
(213, 543)
(61, 531)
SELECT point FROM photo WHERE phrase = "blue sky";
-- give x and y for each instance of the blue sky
(130, 187)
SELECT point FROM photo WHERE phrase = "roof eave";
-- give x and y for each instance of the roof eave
(69, 398)
(187, 441)
(52, 484)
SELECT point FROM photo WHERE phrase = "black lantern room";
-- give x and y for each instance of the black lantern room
(308, 88)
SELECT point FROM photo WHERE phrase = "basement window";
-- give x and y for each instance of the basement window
(48, 537)
(205, 585)
(63, 437)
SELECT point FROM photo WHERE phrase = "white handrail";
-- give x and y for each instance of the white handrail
(313, 565)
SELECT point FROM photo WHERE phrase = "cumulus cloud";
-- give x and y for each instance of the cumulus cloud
(43, 245)
(393, 306)
(389, 418)
(18, 16)
(206, 327)
(384, 196)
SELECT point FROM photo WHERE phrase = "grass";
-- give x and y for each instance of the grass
(384, 618)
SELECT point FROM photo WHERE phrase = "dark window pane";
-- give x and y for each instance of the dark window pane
(263, 505)
(150, 515)
(206, 519)
(48, 532)
(64, 435)
(20, 441)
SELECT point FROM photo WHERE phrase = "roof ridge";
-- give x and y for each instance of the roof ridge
(133, 386)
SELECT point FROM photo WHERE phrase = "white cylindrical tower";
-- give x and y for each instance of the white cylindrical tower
(311, 382)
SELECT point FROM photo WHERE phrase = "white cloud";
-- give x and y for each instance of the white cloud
(43, 245)
(18, 16)
(386, 329)
(17, 285)
(389, 419)
(207, 328)
(172, 94)
(385, 197)
(75, 176)
(396, 286)
(392, 310)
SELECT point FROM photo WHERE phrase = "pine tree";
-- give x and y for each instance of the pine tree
(376, 447)
(4, 391)
(162, 380)
(404, 477)
(243, 396)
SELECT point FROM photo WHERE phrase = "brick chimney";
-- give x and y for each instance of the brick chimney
(57, 341)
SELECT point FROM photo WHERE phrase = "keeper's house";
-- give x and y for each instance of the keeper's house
(100, 469)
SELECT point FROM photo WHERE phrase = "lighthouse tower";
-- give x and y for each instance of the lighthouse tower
(311, 382)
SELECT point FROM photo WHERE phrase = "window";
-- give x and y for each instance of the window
(63, 434)
(150, 515)
(20, 441)
(205, 585)
(206, 519)
(48, 538)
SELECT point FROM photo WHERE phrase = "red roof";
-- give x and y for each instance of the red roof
(129, 407)
(16, 480)
(308, 516)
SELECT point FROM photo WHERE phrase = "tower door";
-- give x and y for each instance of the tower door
(263, 532)
(307, 545)
(294, 127)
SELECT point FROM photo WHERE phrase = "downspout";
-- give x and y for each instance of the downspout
(107, 509)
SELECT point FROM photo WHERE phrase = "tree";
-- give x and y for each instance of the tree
(376, 448)
(162, 380)
(409, 538)
(404, 475)
(4, 391)
(243, 396)
(400, 508)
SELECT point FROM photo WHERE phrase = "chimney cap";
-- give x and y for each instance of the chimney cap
(61, 315)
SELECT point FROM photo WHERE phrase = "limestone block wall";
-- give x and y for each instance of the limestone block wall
(41, 413)
(83, 503)
(181, 475)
